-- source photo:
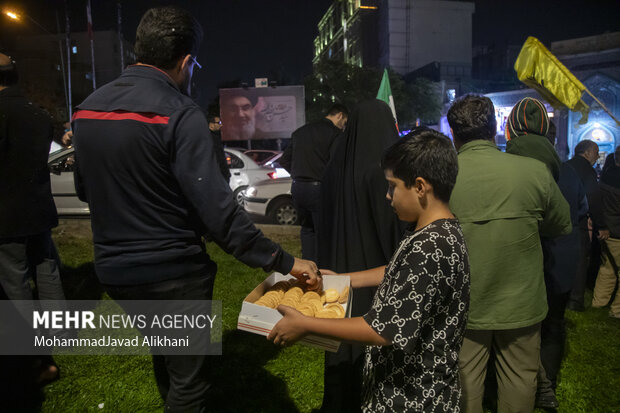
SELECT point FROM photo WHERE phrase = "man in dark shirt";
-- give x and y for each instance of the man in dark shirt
(607, 279)
(151, 178)
(215, 126)
(305, 158)
(586, 155)
(27, 215)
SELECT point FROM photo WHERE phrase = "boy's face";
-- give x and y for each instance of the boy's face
(405, 201)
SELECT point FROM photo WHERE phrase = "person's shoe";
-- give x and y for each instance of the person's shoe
(547, 401)
(46, 372)
(616, 316)
(575, 306)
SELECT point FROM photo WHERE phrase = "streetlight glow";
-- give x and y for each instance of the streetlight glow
(12, 15)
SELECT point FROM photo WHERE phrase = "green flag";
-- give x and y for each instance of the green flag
(385, 94)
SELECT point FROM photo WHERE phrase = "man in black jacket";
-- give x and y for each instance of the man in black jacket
(27, 210)
(607, 278)
(586, 155)
(215, 126)
(305, 158)
(150, 174)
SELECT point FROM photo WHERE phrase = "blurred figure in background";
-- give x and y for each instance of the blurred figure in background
(28, 257)
(305, 158)
(608, 274)
(586, 155)
(358, 230)
(527, 129)
(215, 126)
(561, 258)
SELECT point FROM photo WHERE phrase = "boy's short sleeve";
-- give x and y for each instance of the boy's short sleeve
(404, 300)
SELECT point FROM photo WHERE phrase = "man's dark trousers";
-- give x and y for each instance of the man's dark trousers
(307, 199)
(32, 257)
(553, 336)
(183, 381)
(575, 300)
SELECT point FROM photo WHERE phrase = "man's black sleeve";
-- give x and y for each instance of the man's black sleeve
(595, 201)
(286, 160)
(196, 170)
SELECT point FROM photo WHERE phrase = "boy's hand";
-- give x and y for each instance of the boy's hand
(308, 272)
(288, 330)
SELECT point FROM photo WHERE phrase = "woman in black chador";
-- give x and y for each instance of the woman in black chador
(358, 230)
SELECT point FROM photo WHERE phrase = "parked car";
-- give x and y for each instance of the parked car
(245, 172)
(274, 163)
(261, 156)
(272, 198)
(60, 164)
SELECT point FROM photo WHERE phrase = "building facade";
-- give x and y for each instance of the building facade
(595, 61)
(348, 32)
(405, 35)
(44, 75)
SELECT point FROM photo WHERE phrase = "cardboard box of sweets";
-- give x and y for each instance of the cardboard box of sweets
(260, 319)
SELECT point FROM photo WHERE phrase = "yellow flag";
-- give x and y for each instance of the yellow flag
(539, 69)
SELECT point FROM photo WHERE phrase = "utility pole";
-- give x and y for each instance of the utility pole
(68, 45)
(120, 36)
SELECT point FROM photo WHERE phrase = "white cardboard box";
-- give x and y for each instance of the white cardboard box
(258, 319)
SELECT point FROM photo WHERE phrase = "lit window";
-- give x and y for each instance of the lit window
(74, 50)
(451, 95)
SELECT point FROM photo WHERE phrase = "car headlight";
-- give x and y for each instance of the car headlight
(251, 192)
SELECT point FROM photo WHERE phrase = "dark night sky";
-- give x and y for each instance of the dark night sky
(252, 38)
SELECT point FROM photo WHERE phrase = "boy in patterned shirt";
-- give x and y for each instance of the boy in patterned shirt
(415, 326)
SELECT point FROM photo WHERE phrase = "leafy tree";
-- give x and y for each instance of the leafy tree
(336, 81)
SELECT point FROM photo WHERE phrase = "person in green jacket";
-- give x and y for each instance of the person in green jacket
(504, 203)
(526, 131)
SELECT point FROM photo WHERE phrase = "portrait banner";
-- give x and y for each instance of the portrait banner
(261, 113)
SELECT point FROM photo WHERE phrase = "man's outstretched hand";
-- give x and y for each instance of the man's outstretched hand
(308, 272)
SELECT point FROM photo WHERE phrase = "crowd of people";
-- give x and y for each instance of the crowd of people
(462, 258)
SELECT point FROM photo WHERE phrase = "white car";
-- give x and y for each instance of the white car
(272, 199)
(245, 172)
(60, 164)
(262, 156)
(269, 159)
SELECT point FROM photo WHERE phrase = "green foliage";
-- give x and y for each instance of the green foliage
(335, 81)
(253, 375)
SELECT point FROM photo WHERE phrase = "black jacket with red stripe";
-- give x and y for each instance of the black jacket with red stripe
(146, 166)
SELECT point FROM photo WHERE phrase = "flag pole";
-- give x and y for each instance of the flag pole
(120, 36)
(62, 64)
(603, 106)
(92, 42)
(68, 45)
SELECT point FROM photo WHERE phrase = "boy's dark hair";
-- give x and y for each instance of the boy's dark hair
(211, 118)
(165, 35)
(473, 117)
(427, 154)
(551, 132)
(8, 74)
(338, 108)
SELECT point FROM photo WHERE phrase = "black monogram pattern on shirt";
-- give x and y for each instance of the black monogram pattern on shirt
(421, 306)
